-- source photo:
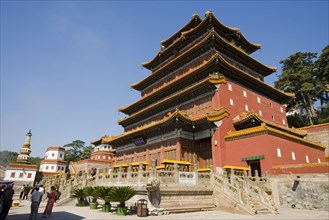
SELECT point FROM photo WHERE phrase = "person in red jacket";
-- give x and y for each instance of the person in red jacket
(50, 203)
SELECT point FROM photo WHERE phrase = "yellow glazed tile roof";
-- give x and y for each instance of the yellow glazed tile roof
(246, 116)
(181, 77)
(209, 18)
(137, 163)
(170, 116)
(235, 167)
(195, 18)
(191, 88)
(264, 129)
(179, 162)
(215, 57)
(210, 36)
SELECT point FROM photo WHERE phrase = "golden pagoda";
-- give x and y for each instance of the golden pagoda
(24, 156)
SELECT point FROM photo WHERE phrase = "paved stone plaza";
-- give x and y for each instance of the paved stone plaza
(71, 212)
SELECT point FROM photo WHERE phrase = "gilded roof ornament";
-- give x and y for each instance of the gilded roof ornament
(217, 78)
(208, 13)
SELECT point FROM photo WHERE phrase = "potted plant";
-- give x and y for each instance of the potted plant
(80, 195)
(105, 194)
(93, 193)
(122, 194)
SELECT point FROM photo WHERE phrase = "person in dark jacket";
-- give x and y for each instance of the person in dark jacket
(7, 199)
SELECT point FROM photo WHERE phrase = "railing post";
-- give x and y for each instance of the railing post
(196, 174)
(257, 177)
(212, 175)
(176, 174)
(119, 175)
(153, 170)
(231, 179)
(97, 177)
(245, 179)
(75, 180)
(129, 171)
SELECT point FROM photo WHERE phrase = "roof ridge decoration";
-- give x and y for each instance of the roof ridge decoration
(180, 35)
(217, 78)
(243, 117)
(218, 114)
(213, 115)
(195, 19)
(99, 139)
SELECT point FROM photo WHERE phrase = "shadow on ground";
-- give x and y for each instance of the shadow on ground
(54, 215)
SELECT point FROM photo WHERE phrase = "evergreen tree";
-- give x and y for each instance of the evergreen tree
(297, 77)
(74, 151)
(86, 153)
(321, 72)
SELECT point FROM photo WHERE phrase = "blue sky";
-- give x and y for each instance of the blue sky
(67, 66)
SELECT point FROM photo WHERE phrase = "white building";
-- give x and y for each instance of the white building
(54, 162)
(22, 172)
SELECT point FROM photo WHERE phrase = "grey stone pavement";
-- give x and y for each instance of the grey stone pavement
(72, 212)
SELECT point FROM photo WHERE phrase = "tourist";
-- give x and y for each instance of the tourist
(7, 200)
(50, 203)
(42, 190)
(26, 192)
(58, 195)
(21, 191)
(3, 187)
(35, 201)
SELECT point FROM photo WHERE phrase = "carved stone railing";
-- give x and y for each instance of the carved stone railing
(246, 190)
(240, 188)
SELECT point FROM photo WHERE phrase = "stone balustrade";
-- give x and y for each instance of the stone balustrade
(240, 187)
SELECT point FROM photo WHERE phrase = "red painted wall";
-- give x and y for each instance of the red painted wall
(267, 145)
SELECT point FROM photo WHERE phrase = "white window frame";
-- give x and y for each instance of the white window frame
(232, 102)
(246, 108)
(229, 86)
(278, 152)
(244, 93)
(258, 100)
(307, 159)
(293, 156)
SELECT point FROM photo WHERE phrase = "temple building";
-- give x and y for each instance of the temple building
(54, 162)
(102, 152)
(22, 172)
(206, 102)
(102, 157)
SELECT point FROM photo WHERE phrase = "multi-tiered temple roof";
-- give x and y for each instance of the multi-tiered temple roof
(193, 56)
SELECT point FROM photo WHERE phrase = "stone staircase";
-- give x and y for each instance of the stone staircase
(242, 196)
(259, 208)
